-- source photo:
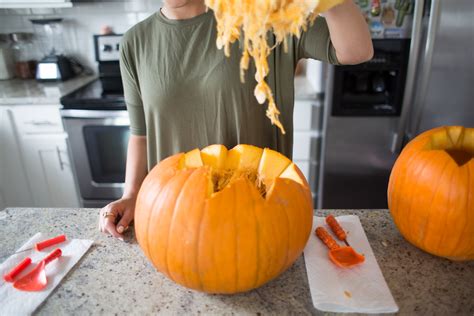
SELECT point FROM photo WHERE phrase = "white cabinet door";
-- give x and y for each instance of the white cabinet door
(14, 186)
(34, 119)
(49, 171)
(302, 115)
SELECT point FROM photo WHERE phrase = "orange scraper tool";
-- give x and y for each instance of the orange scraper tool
(343, 257)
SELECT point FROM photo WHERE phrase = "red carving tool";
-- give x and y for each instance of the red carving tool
(10, 276)
(46, 243)
(36, 279)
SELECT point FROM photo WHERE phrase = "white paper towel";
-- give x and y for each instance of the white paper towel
(15, 302)
(359, 289)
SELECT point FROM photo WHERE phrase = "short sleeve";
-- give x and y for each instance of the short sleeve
(131, 90)
(315, 43)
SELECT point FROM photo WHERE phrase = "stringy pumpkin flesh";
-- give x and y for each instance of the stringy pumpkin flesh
(259, 166)
(223, 178)
(251, 21)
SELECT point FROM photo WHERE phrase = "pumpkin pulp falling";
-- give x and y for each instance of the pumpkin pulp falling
(251, 21)
(224, 221)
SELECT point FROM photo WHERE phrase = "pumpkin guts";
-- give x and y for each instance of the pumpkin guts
(251, 21)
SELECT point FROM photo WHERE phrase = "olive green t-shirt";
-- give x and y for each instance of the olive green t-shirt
(183, 93)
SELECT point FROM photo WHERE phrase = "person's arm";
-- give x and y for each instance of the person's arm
(116, 217)
(349, 33)
(124, 208)
(136, 169)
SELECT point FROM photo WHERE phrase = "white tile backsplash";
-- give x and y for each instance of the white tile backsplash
(13, 23)
(81, 22)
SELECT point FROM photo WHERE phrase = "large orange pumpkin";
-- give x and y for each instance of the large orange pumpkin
(224, 221)
(431, 192)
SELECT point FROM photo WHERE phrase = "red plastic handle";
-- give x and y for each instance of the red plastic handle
(335, 227)
(324, 236)
(49, 242)
(10, 276)
(53, 255)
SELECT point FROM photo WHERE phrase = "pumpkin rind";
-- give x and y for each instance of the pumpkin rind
(431, 192)
(229, 241)
(214, 156)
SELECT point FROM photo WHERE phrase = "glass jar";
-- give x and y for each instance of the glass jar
(24, 51)
(7, 70)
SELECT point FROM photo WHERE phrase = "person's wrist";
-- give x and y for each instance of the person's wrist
(130, 195)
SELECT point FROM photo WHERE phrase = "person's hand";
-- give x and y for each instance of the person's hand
(115, 217)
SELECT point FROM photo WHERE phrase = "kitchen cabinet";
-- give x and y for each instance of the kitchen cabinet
(307, 139)
(36, 170)
(49, 170)
(38, 120)
(14, 186)
(30, 4)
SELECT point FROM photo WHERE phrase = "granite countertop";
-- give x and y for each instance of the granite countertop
(114, 277)
(27, 92)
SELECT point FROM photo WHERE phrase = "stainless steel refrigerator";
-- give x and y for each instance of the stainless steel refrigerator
(361, 142)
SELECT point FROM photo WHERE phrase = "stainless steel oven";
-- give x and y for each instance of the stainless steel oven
(98, 144)
(97, 123)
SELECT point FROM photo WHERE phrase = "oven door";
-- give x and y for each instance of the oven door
(98, 143)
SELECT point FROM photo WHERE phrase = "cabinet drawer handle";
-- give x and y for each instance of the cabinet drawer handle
(61, 162)
(41, 123)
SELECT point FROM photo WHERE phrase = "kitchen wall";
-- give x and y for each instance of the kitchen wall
(81, 22)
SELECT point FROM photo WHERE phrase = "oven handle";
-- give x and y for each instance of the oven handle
(93, 114)
(107, 185)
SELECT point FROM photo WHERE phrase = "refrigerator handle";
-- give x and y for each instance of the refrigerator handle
(427, 61)
(407, 103)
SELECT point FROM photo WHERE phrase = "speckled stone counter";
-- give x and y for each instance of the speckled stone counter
(27, 92)
(114, 277)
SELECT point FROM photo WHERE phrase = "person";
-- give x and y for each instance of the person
(182, 92)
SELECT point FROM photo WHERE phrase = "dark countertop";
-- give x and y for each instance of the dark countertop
(115, 277)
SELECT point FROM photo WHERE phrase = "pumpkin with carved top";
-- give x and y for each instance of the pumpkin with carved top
(224, 221)
(431, 192)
